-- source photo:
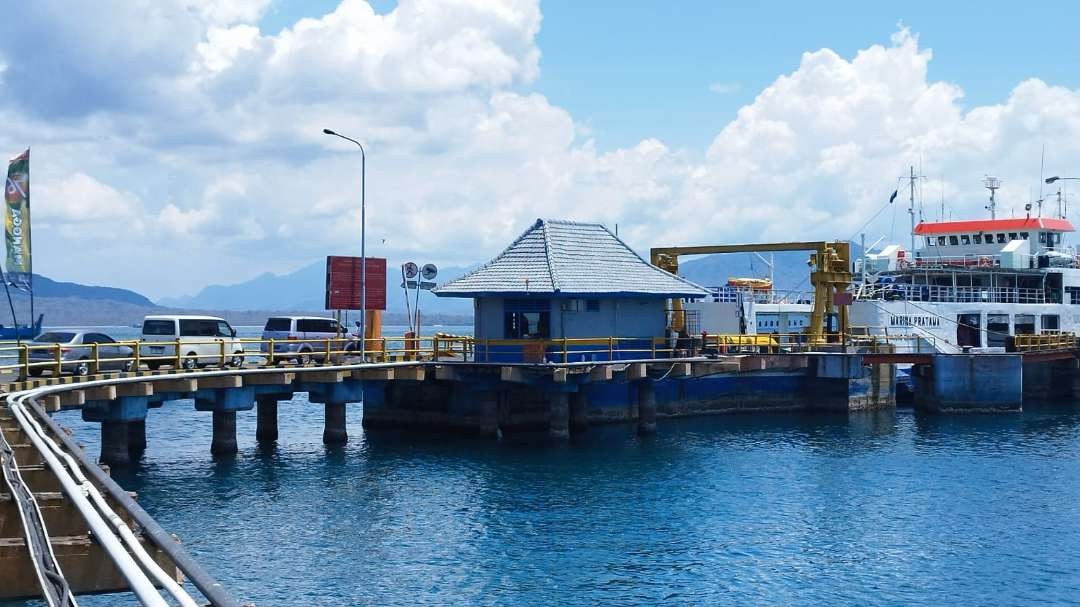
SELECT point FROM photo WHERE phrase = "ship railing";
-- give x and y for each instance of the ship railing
(950, 294)
(948, 262)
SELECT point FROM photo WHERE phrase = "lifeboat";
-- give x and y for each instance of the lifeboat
(754, 284)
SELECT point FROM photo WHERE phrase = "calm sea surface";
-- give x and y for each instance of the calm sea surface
(890, 508)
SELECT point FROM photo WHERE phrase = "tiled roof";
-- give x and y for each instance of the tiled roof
(566, 258)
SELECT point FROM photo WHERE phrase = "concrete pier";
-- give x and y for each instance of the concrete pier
(224, 441)
(969, 383)
(334, 432)
(646, 406)
(137, 437)
(114, 443)
(266, 422)
(579, 416)
(558, 415)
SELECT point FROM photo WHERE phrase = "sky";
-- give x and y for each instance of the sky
(177, 143)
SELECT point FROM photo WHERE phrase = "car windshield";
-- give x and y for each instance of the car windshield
(55, 338)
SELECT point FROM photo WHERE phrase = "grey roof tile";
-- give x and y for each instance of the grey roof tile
(568, 258)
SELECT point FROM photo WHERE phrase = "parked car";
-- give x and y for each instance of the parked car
(302, 338)
(202, 341)
(77, 352)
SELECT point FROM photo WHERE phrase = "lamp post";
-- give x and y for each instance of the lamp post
(363, 251)
(1050, 180)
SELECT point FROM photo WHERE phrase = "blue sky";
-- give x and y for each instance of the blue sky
(634, 69)
(195, 125)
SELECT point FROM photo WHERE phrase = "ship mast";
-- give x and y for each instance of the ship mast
(992, 184)
(911, 208)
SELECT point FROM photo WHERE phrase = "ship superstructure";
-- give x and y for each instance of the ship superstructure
(972, 284)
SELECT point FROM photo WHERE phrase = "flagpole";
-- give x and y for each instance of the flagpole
(29, 242)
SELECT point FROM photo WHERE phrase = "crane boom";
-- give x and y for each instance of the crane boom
(830, 274)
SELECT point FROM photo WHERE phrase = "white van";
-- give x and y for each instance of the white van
(302, 338)
(201, 341)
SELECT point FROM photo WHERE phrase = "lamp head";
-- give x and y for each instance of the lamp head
(329, 132)
(1051, 179)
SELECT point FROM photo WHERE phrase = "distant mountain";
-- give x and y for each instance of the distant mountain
(46, 287)
(304, 290)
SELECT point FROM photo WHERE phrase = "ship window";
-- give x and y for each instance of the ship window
(953, 240)
(1012, 236)
(977, 239)
(941, 241)
(997, 330)
(965, 239)
(929, 241)
(1024, 324)
(1050, 322)
(1001, 238)
(1042, 237)
(1023, 235)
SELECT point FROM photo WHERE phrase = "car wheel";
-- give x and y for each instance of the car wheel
(36, 371)
(153, 365)
(129, 366)
(189, 362)
(236, 361)
(304, 358)
(81, 368)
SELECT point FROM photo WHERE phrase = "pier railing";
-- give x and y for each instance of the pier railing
(31, 359)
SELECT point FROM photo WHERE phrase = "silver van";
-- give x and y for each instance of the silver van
(302, 338)
(203, 339)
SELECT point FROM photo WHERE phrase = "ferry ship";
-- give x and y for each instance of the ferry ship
(972, 285)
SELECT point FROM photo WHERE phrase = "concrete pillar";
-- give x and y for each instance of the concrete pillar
(114, 443)
(579, 421)
(266, 424)
(224, 441)
(489, 411)
(334, 432)
(137, 436)
(646, 398)
(558, 415)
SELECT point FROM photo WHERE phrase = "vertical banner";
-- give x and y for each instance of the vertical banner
(17, 221)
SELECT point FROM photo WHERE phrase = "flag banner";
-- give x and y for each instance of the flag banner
(17, 221)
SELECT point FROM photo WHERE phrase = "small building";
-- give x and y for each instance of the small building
(562, 279)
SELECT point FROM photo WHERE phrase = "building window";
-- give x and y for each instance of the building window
(954, 241)
(965, 239)
(592, 305)
(527, 319)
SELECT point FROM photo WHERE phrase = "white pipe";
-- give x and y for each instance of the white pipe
(146, 561)
(129, 569)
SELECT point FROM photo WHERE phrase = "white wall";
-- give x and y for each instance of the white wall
(616, 317)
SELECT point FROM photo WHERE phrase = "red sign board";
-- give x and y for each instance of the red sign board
(343, 283)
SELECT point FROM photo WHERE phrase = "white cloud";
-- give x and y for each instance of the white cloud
(204, 136)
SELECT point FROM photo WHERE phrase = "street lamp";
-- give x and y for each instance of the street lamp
(1050, 180)
(363, 251)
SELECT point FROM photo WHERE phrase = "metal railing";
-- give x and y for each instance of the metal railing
(950, 294)
(36, 360)
(1047, 341)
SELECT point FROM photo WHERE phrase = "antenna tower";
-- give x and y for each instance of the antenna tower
(992, 184)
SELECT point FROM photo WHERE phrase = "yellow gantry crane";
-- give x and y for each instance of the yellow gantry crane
(830, 275)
